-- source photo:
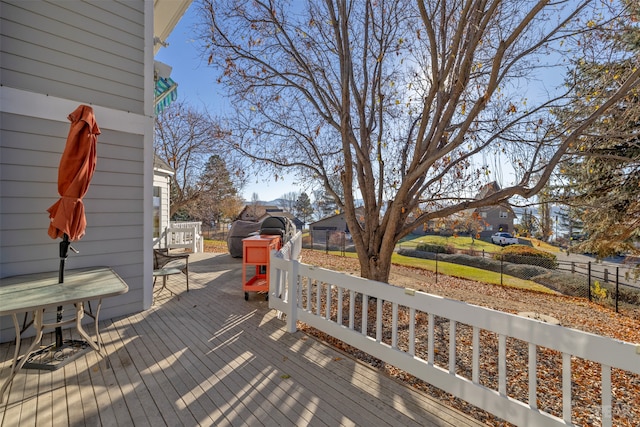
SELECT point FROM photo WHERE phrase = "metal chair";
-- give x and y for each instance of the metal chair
(166, 264)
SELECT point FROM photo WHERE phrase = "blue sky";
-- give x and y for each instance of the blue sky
(197, 86)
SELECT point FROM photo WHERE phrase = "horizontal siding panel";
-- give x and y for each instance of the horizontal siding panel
(14, 54)
(97, 25)
(48, 143)
(110, 149)
(117, 179)
(34, 236)
(116, 193)
(31, 173)
(24, 205)
(75, 86)
(115, 16)
(18, 157)
(50, 136)
(83, 51)
(99, 206)
(33, 165)
(23, 222)
(17, 189)
(49, 191)
(116, 261)
(118, 219)
(128, 146)
(58, 44)
(92, 253)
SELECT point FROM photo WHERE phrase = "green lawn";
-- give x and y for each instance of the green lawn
(470, 273)
(459, 243)
(461, 271)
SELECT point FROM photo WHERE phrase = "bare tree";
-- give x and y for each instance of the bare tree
(398, 102)
(288, 201)
(185, 139)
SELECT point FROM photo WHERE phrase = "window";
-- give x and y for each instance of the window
(157, 207)
(504, 214)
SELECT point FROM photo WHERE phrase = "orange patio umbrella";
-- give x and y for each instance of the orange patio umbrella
(77, 165)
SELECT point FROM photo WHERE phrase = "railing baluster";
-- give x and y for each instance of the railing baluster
(533, 376)
(328, 303)
(452, 346)
(379, 320)
(412, 331)
(475, 370)
(566, 387)
(394, 326)
(319, 288)
(430, 334)
(365, 313)
(607, 409)
(352, 309)
(339, 316)
(502, 365)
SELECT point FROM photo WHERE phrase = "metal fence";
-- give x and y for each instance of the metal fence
(602, 283)
(329, 240)
(606, 284)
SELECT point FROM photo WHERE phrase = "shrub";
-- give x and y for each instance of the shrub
(521, 254)
(435, 247)
(598, 292)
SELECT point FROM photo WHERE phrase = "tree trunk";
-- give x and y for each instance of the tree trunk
(375, 253)
(377, 268)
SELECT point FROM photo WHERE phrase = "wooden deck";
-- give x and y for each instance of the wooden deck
(211, 358)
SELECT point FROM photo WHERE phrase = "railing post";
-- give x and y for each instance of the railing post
(292, 308)
(617, 286)
(589, 279)
(436, 266)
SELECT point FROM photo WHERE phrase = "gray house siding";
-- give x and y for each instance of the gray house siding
(162, 181)
(56, 55)
(90, 51)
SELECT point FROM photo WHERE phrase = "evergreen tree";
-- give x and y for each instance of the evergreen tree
(218, 193)
(303, 208)
(325, 204)
(605, 178)
(570, 219)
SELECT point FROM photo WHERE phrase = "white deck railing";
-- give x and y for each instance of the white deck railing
(185, 235)
(468, 349)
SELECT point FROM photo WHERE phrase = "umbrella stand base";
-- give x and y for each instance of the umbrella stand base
(51, 358)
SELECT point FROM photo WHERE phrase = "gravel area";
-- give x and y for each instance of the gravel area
(572, 312)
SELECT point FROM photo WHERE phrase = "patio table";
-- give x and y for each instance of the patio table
(39, 291)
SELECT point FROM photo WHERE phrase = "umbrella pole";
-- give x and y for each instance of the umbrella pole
(64, 251)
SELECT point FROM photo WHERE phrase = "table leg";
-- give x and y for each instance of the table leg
(15, 366)
(85, 336)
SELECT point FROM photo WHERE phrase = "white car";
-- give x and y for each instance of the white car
(504, 239)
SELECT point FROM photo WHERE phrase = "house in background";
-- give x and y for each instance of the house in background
(255, 211)
(162, 174)
(56, 56)
(322, 228)
(496, 218)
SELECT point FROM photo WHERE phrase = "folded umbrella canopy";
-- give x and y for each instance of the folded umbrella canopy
(77, 166)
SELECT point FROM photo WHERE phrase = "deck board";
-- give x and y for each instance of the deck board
(211, 358)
